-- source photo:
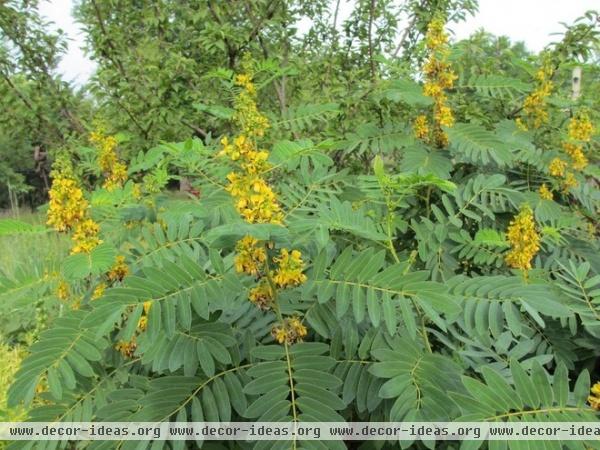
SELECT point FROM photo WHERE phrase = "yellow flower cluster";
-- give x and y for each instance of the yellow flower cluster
(86, 236)
(250, 257)
(119, 270)
(594, 397)
(580, 131)
(67, 205)
(557, 167)
(289, 271)
(438, 78)
(262, 295)
(580, 128)
(114, 170)
(127, 349)
(524, 240)
(290, 332)
(545, 193)
(534, 105)
(578, 159)
(69, 209)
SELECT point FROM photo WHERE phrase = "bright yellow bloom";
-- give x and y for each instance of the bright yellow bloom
(524, 240)
(147, 306)
(421, 127)
(594, 398)
(67, 204)
(580, 128)
(289, 271)
(120, 269)
(250, 257)
(99, 291)
(545, 193)
(86, 236)
(557, 167)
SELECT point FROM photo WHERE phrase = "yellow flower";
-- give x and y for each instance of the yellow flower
(557, 167)
(421, 127)
(575, 151)
(250, 258)
(120, 269)
(289, 272)
(594, 398)
(142, 323)
(524, 240)
(147, 306)
(86, 236)
(520, 125)
(545, 193)
(580, 128)
(98, 291)
(262, 295)
(127, 349)
(290, 332)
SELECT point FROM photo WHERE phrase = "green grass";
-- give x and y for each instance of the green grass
(30, 249)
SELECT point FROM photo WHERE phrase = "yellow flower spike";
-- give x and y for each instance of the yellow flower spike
(545, 193)
(438, 77)
(147, 306)
(524, 240)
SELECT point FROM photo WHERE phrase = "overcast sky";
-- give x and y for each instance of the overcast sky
(530, 21)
